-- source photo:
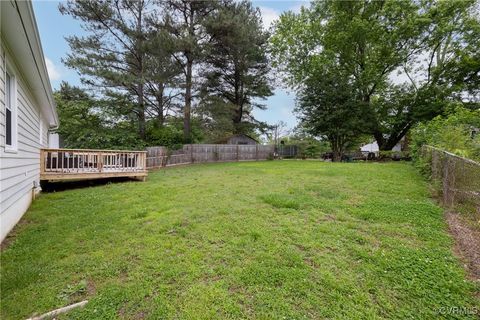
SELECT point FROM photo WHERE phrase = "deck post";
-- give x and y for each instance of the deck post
(100, 162)
(42, 161)
(144, 160)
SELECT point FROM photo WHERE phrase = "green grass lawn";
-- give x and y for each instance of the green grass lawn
(265, 240)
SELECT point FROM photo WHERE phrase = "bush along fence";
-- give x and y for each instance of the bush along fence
(457, 178)
(158, 157)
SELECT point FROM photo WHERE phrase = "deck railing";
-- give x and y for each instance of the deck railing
(62, 164)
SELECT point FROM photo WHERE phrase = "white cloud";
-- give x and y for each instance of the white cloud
(52, 70)
(286, 111)
(269, 15)
(298, 7)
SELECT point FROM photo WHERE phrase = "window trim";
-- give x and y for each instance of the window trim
(12, 103)
(40, 129)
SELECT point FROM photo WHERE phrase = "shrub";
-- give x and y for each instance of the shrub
(167, 136)
(457, 132)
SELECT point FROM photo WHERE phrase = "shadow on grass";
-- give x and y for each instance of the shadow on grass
(69, 185)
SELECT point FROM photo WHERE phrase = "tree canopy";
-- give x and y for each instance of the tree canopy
(182, 71)
(162, 63)
(371, 46)
(237, 68)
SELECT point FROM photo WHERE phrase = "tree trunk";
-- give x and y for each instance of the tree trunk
(388, 145)
(237, 117)
(337, 149)
(187, 130)
(379, 139)
(140, 87)
(337, 156)
(160, 116)
(188, 102)
(141, 113)
(393, 139)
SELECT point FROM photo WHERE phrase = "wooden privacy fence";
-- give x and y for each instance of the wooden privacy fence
(80, 164)
(457, 178)
(198, 153)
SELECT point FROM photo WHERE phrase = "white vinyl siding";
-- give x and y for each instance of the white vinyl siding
(2, 95)
(11, 138)
(19, 169)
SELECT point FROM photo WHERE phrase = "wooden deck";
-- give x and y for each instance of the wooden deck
(86, 164)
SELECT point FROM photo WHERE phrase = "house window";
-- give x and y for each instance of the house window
(10, 113)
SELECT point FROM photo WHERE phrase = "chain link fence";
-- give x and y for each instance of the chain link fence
(456, 178)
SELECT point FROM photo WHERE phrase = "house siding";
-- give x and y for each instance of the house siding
(20, 169)
(2, 94)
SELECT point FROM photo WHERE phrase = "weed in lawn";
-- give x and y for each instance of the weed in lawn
(70, 291)
(142, 213)
(282, 201)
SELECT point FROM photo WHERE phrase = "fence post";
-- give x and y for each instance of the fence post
(456, 176)
(237, 153)
(191, 153)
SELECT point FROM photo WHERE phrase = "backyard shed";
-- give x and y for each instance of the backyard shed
(242, 139)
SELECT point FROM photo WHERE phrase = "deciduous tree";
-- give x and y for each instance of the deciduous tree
(373, 41)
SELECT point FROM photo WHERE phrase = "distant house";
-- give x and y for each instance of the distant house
(27, 110)
(373, 147)
(239, 139)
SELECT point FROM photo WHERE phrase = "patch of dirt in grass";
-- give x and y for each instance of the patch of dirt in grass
(327, 217)
(91, 288)
(467, 243)
(211, 278)
(300, 247)
(309, 262)
(123, 277)
(12, 235)
(122, 312)
(354, 200)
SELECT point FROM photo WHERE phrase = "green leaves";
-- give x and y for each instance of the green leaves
(237, 68)
(85, 122)
(457, 132)
(364, 44)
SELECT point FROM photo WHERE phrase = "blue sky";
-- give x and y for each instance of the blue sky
(54, 27)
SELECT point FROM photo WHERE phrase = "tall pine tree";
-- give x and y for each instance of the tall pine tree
(236, 66)
(121, 55)
(184, 20)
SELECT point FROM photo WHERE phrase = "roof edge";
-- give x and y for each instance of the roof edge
(27, 16)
